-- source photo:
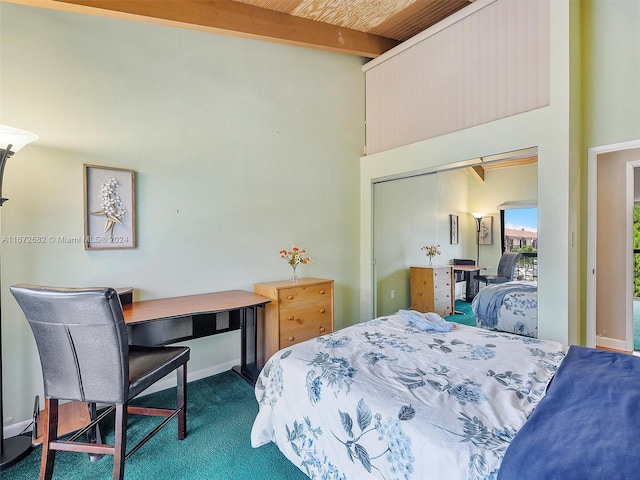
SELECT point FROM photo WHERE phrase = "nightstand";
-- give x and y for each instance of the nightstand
(297, 312)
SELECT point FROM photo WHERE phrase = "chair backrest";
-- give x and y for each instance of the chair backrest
(82, 341)
(507, 264)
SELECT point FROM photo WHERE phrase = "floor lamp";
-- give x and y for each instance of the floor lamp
(13, 449)
(478, 218)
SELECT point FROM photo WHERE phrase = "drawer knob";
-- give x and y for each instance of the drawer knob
(290, 339)
(291, 317)
(322, 292)
(322, 329)
(322, 310)
(289, 297)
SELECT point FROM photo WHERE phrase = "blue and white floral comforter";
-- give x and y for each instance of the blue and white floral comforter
(385, 400)
(508, 307)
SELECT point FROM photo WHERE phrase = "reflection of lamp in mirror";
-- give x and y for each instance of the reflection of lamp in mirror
(478, 218)
(13, 449)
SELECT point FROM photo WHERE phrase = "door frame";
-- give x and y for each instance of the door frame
(592, 228)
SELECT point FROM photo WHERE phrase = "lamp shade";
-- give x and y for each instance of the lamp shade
(15, 137)
(477, 215)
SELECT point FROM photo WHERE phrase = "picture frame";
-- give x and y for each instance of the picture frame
(109, 208)
(453, 227)
(485, 237)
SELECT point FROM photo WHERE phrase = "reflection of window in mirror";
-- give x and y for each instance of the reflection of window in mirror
(520, 234)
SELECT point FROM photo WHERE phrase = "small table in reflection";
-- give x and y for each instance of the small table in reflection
(469, 275)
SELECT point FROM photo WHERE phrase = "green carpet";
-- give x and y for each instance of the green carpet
(220, 413)
(466, 316)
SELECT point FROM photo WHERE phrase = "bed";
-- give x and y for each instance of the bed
(586, 426)
(508, 307)
(398, 398)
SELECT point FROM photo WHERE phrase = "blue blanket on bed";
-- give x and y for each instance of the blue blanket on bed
(427, 322)
(490, 299)
(586, 427)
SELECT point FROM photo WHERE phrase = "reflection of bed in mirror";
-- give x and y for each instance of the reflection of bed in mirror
(508, 307)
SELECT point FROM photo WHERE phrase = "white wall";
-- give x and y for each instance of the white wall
(489, 60)
(239, 148)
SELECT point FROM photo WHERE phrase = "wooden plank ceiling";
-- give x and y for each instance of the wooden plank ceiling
(366, 28)
(394, 19)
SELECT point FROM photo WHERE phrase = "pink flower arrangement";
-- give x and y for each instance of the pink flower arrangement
(295, 256)
(431, 250)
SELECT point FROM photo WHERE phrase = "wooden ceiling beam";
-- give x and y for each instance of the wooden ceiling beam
(478, 173)
(231, 18)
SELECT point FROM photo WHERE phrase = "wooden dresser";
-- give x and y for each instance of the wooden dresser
(432, 289)
(297, 312)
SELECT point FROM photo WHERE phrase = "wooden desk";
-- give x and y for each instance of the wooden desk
(468, 270)
(171, 320)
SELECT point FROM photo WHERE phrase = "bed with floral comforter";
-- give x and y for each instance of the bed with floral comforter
(508, 307)
(385, 399)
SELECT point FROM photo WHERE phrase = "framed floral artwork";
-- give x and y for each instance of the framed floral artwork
(109, 208)
(453, 226)
(485, 235)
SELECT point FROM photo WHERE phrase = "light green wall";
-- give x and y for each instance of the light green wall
(239, 147)
(609, 36)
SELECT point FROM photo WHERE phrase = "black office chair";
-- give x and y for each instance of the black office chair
(506, 269)
(82, 342)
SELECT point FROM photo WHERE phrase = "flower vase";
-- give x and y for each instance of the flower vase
(430, 261)
(294, 275)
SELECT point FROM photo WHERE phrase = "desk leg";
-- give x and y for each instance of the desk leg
(470, 278)
(248, 368)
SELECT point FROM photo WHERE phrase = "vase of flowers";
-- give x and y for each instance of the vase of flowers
(431, 251)
(295, 257)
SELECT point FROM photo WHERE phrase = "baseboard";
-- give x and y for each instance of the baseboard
(167, 382)
(611, 343)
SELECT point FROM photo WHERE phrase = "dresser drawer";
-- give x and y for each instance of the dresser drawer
(442, 286)
(443, 308)
(304, 294)
(293, 316)
(442, 274)
(304, 331)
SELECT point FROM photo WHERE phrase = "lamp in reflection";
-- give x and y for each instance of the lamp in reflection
(478, 216)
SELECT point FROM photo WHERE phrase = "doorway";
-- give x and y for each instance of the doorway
(636, 259)
(610, 254)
